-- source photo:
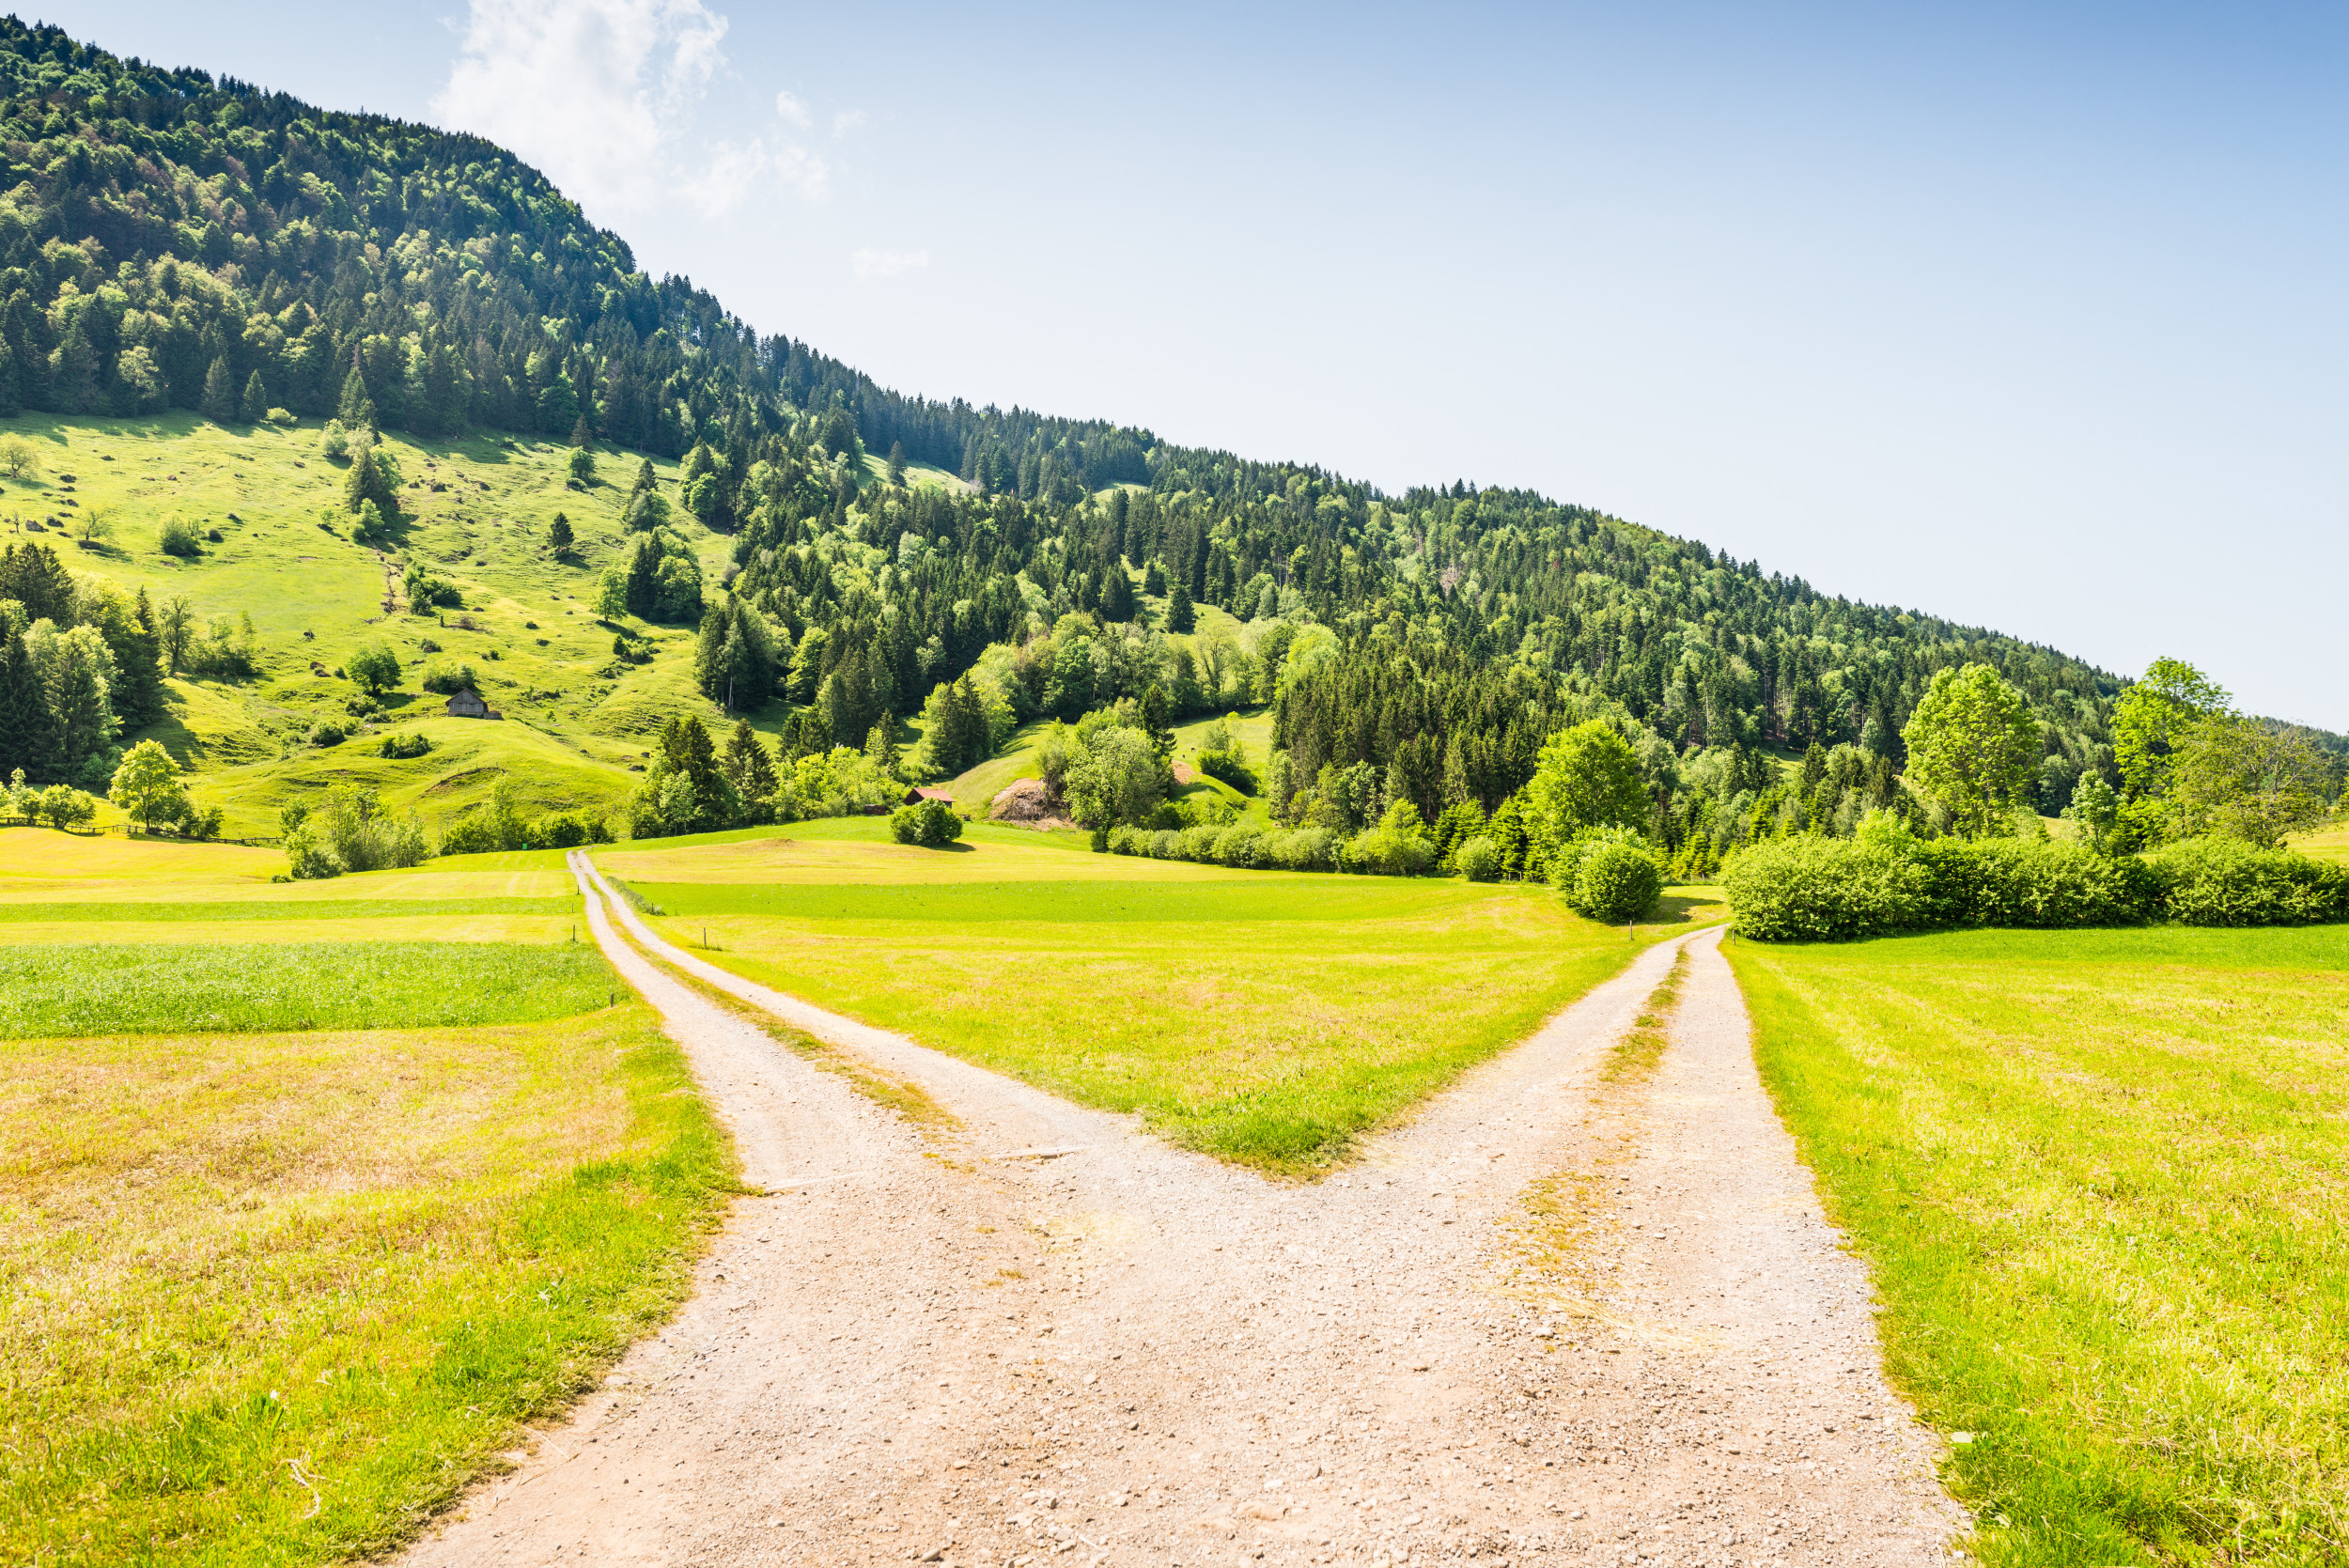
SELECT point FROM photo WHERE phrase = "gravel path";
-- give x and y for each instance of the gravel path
(1547, 1321)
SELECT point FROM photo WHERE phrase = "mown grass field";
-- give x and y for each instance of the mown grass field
(1264, 1017)
(2099, 1178)
(298, 1220)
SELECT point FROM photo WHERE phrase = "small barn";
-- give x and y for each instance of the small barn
(915, 796)
(470, 703)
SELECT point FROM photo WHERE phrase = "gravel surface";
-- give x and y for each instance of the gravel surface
(1550, 1320)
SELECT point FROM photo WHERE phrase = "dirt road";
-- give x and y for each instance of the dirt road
(1048, 1336)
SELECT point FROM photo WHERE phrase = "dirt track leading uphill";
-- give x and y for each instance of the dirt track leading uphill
(1046, 1336)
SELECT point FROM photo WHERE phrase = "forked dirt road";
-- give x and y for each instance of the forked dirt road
(1047, 1337)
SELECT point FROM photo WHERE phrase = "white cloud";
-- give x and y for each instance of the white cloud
(872, 263)
(847, 120)
(792, 109)
(598, 93)
(732, 175)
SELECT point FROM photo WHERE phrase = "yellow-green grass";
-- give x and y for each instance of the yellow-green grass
(315, 595)
(40, 865)
(122, 987)
(2098, 1176)
(1265, 1018)
(975, 790)
(275, 1298)
(2329, 843)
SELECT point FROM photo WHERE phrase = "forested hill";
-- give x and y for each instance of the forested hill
(172, 239)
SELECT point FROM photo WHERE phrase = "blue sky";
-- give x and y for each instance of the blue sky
(2027, 316)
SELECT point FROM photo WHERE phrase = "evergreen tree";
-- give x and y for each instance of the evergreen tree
(686, 748)
(1117, 594)
(255, 403)
(747, 765)
(559, 537)
(367, 481)
(1155, 723)
(219, 401)
(24, 738)
(356, 410)
(1179, 615)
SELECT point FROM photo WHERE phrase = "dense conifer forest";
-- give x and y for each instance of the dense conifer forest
(170, 240)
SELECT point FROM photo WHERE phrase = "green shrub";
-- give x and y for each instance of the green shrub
(1399, 846)
(2224, 882)
(1564, 865)
(1616, 883)
(565, 829)
(1478, 859)
(328, 732)
(2018, 883)
(447, 676)
(1805, 889)
(180, 537)
(405, 743)
(932, 824)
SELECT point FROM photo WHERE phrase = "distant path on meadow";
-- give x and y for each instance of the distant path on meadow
(1550, 1320)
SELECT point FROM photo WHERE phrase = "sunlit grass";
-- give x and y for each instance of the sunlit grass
(274, 1297)
(127, 989)
(1264, 1017)
(2099, 1178)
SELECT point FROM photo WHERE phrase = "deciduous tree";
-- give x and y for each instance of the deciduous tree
(1973, 745)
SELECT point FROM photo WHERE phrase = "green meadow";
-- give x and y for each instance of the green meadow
(301, 1220)
(2098, 1178)
(477, 511)
(1264, 1017)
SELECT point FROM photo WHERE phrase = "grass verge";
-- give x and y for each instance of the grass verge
(276, 1298)
(2098, 1178)
(134, 987)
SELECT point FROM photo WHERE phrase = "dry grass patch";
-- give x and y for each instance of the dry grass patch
(275, 1297)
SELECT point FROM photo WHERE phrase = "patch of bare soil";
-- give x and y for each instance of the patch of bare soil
(1553, 1319)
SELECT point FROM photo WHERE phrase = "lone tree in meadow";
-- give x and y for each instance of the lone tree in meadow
(375, 668)
(559, 535)
(1973, 745)
(147, 786)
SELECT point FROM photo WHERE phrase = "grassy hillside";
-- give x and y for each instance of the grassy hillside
(477, 512)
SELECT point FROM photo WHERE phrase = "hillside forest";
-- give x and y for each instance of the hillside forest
(169, 240)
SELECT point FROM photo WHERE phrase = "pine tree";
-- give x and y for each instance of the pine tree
(583, 436)
(23, 717)
(357, 410)
(1117, 594)
(1179, 615)
(1156, 723)
(255, 407)
(747, 763)
(366, 481)
(559, 537)
(219, 402)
